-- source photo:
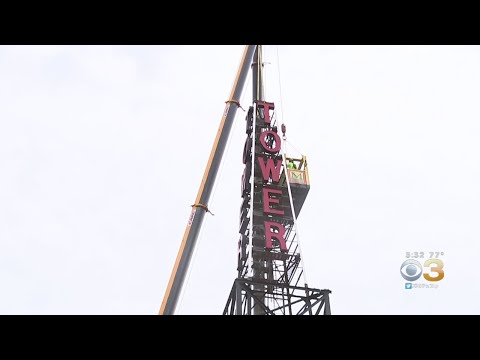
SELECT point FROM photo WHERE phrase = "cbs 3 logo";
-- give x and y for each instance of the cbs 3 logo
(411, 270)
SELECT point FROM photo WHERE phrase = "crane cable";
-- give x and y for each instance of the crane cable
(284, 150)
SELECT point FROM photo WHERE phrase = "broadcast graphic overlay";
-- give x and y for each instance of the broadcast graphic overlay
(423, 270)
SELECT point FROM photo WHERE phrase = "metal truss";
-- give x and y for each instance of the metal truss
(272, 298)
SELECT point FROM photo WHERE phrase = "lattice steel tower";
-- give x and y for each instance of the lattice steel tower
(271, 278)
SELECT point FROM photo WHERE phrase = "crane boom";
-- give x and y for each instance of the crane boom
(200, 207)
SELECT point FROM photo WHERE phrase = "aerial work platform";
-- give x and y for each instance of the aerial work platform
(299, 182)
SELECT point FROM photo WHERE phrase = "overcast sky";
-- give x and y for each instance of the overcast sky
(103, 148)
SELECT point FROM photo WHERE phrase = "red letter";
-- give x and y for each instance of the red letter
(267, 200)
(263, 135)
(247, 149)
(266, 108)
(269, 235)
(270, 169)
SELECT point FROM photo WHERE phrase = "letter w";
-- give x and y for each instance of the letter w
(270, 169)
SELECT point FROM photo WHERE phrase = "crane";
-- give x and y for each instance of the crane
(200, 207)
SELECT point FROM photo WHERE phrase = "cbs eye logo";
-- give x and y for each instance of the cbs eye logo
(411, 270)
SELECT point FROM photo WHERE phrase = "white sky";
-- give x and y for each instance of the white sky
(102, 150)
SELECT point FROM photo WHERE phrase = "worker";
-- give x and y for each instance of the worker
(291, 165)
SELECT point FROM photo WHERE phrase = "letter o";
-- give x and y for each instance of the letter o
(263, 136)
(247, 150)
